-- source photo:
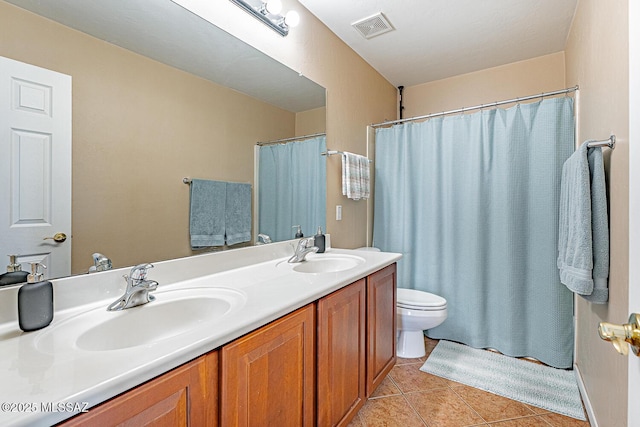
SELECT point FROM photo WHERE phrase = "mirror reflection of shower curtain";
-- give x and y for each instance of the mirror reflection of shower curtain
(292, 188)
(472, 203)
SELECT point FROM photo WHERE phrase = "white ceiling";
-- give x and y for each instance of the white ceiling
(435, 39)
(164, 31)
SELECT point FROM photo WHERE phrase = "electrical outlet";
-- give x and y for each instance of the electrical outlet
(338, 212)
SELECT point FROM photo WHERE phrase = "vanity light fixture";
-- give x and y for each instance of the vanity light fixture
(268, 11)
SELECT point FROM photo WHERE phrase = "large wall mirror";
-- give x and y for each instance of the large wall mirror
(159, 95)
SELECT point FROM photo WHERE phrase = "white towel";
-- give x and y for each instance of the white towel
(355, 176)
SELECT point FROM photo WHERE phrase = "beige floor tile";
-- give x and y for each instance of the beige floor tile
(537, 410)
(557, 420)
(443, 408)
(522, 422)
(392, 411)
(492, 407)
(410, 378)
(429, 345)
(408, 361)
(356, 421)
(386, 388)
(409, 397)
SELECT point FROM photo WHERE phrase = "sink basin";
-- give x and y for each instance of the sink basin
(173, 313)
(320, 263)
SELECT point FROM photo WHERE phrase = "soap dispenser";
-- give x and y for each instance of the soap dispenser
(14, 273)
(298, 232)
(35, 301)
(319, 240)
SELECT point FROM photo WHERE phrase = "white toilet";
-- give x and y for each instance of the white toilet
(416, 311)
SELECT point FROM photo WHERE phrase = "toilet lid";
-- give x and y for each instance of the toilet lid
(419, 300)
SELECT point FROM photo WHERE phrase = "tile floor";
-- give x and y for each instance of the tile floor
(409, 397)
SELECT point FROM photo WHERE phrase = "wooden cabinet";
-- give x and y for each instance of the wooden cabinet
(275, 375)
(341, 354)
(381, 325)
(267, 376)
(356, 345)
(186, 396)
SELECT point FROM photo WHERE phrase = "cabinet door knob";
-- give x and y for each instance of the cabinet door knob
(58, 237)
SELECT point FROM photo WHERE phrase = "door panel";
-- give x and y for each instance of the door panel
(35, 165)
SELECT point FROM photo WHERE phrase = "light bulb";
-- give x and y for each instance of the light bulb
(292, 18)
(274, 6)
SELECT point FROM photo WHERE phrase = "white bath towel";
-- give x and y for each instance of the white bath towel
(355, 176)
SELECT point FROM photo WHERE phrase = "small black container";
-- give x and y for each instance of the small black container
(35, 302)
(14, 274)
(319, 241)
(13, 278)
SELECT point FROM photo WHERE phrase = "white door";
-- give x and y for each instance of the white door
(35, 166)
(633, 409)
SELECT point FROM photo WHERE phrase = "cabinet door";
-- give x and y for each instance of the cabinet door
(381, 325)
(341, 354)
(267, 376)
(177, 398)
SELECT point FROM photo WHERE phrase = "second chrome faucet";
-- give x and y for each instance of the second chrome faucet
(138, 288)
(304, 247)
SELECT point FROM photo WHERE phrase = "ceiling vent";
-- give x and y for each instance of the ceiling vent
(373, 26)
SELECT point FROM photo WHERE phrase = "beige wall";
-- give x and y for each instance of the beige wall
(597, 60)
(537, 75)
(311, 121)
(139, 127)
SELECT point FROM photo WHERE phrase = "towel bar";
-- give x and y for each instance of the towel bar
(609, 142)
(332, 152)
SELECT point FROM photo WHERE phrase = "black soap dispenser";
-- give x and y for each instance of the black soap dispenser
(319, 241)
(35, 301)
(298, 232)
(14, 273)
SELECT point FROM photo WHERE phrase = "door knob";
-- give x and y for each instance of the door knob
(58, 237)
(620, 335)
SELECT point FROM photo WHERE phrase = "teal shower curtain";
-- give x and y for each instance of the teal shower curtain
(292, 188)
(472, 203)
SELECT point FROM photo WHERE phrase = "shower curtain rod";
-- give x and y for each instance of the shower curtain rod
(295, 138)
(477, 107)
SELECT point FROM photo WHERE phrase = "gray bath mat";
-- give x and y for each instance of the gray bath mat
(549, 388)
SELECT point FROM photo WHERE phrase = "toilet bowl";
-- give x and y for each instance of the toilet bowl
(417, 311)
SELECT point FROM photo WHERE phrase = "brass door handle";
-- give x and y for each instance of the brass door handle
(620, 335)
(58, 237)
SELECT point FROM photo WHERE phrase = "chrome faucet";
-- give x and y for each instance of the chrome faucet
(263, 239)
(138, 288)
(304, 247)
(100, 263)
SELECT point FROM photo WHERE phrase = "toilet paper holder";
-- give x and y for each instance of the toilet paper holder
(621, 335)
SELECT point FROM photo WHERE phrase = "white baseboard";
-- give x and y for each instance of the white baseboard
(585, 397)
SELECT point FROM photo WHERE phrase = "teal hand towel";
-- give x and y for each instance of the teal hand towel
(599, 228)
(238, 213)
(207, 213)
(583, 234)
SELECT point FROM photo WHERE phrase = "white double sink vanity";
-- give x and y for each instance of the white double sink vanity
(224, 329)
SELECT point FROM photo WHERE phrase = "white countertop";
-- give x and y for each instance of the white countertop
(31, 376)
